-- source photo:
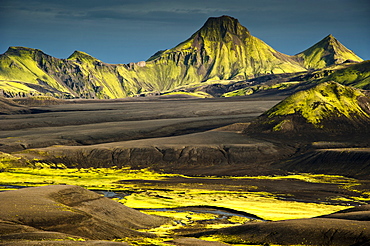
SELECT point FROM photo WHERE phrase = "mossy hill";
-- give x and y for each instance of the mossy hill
(357, 75)
(326, 109)
(30, 72)
(328, 51)
(221, 50)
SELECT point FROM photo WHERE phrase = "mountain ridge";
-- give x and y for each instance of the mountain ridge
(222, 49)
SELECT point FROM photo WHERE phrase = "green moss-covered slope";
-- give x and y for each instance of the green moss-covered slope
(327, 52)
(326, 108)
(30, 72)
(222, 49)
(357, 75)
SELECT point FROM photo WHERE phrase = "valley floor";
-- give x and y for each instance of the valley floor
(180, 158)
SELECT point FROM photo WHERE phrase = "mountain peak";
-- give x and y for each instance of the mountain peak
(329, 51)
(80, 55)
(18, 50)
(216, 28)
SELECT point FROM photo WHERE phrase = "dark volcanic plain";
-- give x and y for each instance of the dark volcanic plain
(195, 137)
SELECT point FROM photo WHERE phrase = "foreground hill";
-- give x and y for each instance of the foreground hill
(222, 49)
(348, 227)
(67, 212)
(328, 109)
(7, 106)
(357, 75)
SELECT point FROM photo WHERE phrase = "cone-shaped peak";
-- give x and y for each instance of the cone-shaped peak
(327, 52)
(80, 55)
(330, 36)
(218, 27)
(329, 41)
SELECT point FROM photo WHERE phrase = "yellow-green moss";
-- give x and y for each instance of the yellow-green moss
(326, 99)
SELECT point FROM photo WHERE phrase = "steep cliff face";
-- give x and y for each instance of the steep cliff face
(328, 51)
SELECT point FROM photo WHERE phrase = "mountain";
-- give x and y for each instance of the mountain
(222, 49)
(326, 109)
(328, 51)
(31, 72)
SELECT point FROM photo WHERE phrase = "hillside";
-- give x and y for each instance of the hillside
(327, 109)
(66, 212)
(7, 106)
(357, 76)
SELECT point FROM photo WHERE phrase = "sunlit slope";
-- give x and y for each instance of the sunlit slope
(20, 71)
(357, 75)
(25, 72)
(326, 108)
(327, 52)
(222, 49)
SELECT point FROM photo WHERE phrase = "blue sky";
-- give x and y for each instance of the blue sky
(123, 31)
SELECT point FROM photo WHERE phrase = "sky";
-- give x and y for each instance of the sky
(124, 31)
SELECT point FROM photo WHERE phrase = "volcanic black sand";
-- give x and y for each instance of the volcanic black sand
(189, 136)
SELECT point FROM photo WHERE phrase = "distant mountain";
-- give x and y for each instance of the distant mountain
(328, 51)
(326, 109)
(221, 50)
(31, 72)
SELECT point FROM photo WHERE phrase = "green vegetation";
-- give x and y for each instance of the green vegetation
(253, 89)
(357, 75)
(8, 161)
(199, 94)
(146, 195)
(324, 100)
(240, 92)
(134, 189)
(327, 52)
